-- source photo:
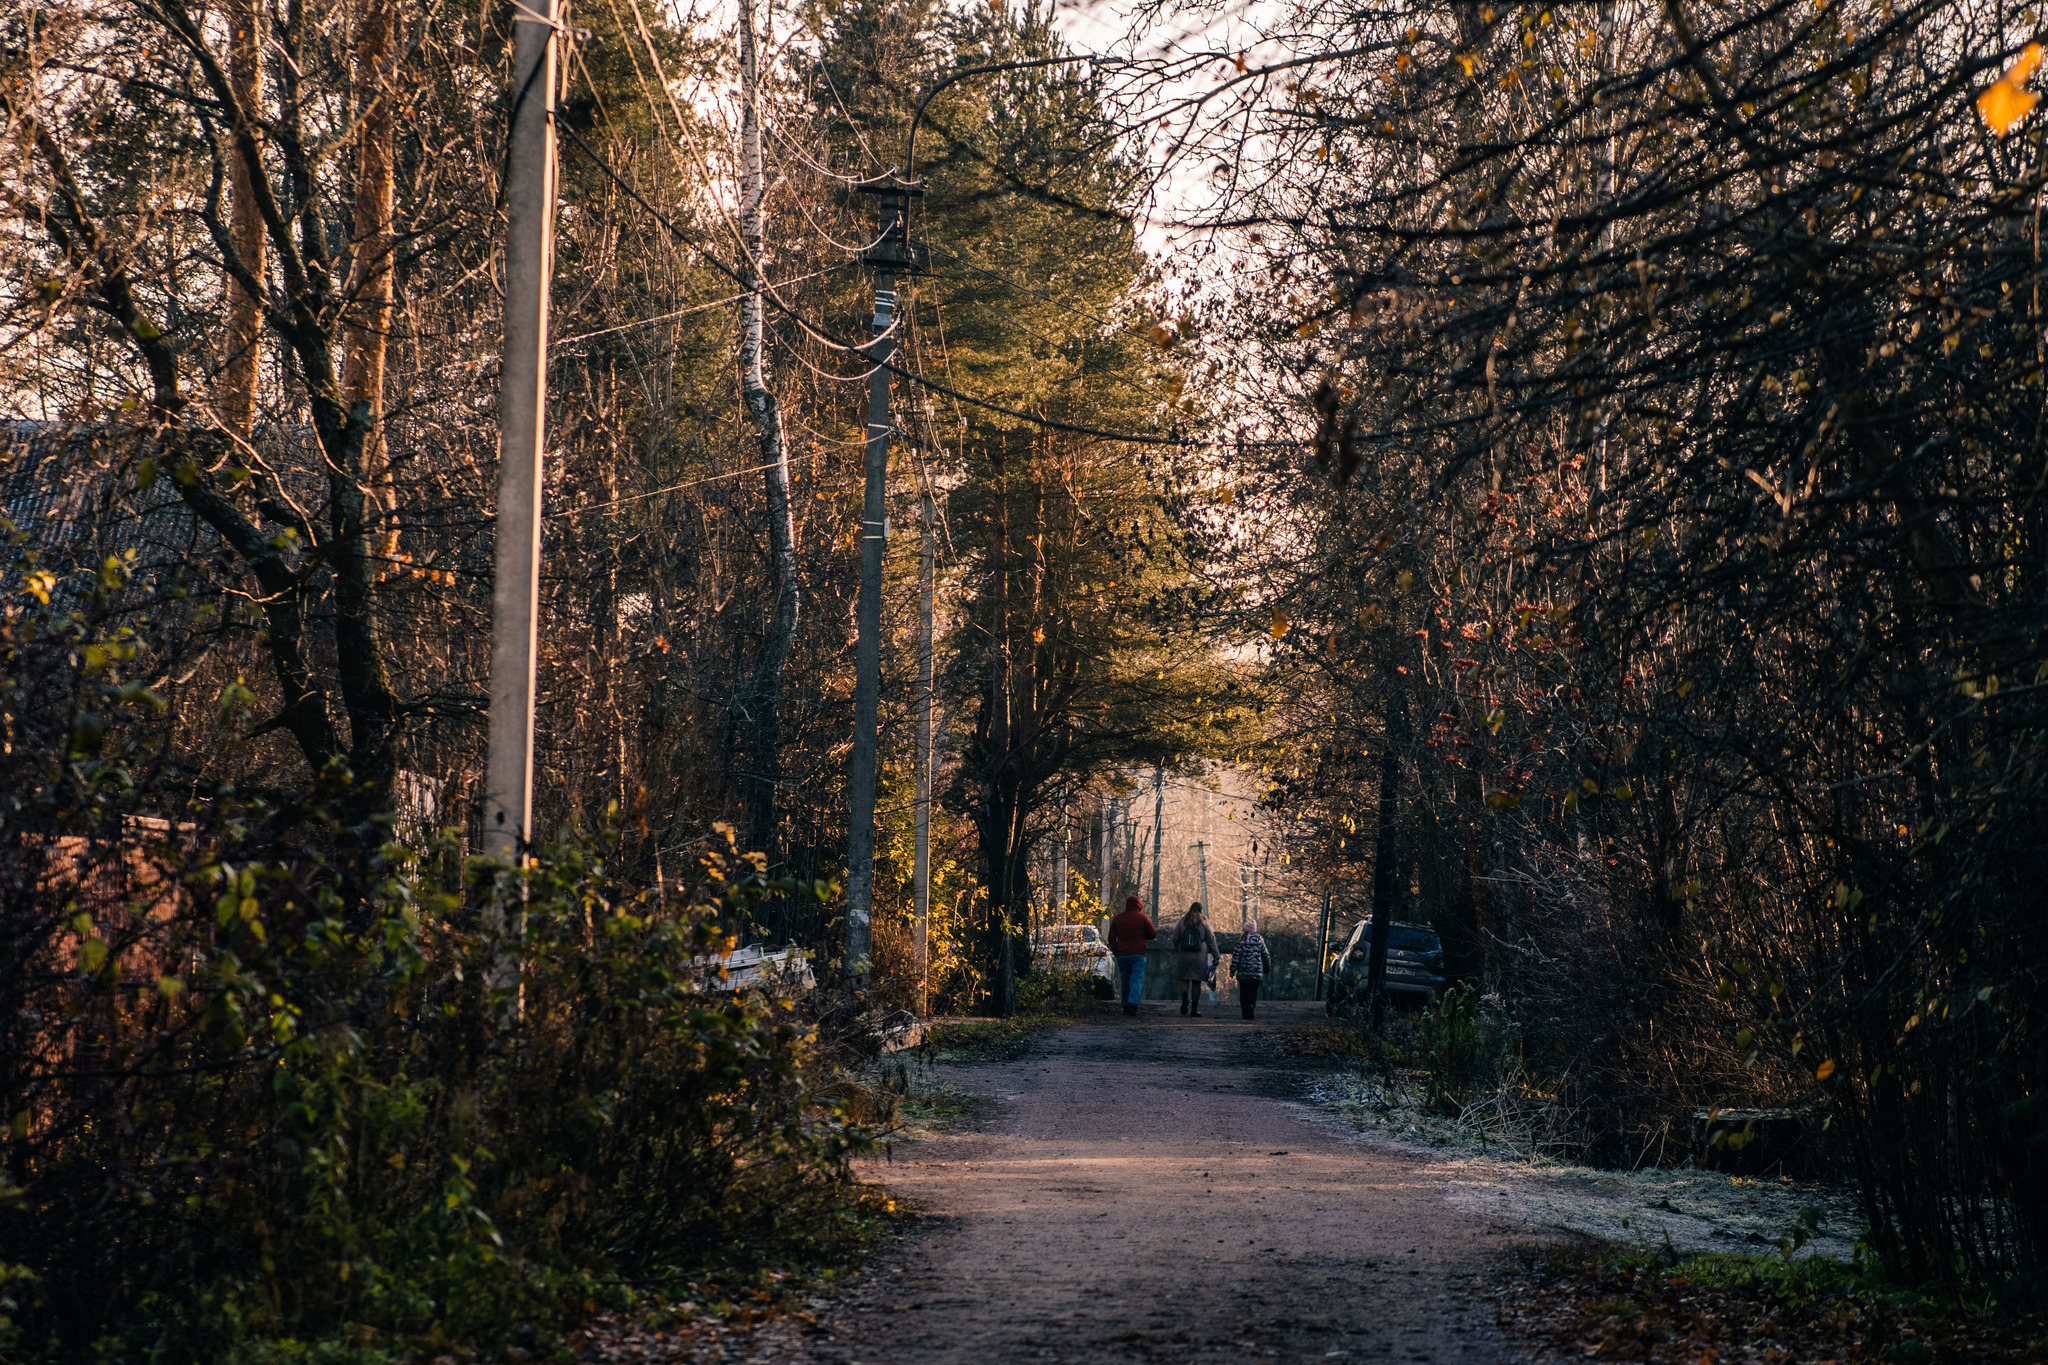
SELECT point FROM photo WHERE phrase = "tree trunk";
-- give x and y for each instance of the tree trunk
(759, 786)
(367, 330)
(241, 340)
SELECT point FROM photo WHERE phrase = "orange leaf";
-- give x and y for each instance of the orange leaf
(2007, 100)
(1280, 623)
(1824, 1070)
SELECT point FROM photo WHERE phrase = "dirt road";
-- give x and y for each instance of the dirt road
(1143, 1192)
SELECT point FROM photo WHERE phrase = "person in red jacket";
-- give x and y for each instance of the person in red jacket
(1128, 935)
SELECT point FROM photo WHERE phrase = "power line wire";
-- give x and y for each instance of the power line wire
(825, 337)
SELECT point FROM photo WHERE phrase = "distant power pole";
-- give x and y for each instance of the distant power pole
(1129, 879)
(1105, 854)
(1059, 865)
(921, 868)
(522, 432)
(1323, 944)
(890, 256)
(1202, 865)
(1158, 828)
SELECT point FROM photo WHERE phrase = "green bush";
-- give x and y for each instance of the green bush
(288, 1090)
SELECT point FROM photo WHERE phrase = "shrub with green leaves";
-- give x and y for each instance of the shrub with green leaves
(282, 1084)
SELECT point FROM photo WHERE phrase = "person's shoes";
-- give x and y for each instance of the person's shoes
(1183, 1005)
(1130, 1009)
(1194, 1014)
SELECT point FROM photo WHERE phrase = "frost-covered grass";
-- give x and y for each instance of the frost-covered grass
(1491, 1159)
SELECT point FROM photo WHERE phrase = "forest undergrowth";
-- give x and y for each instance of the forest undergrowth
(280, 1088)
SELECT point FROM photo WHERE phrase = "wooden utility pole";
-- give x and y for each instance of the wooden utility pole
(522, 429)
(891, 256)
(921, 868)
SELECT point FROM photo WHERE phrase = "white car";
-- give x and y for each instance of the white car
(1075, 948)
(757, 968)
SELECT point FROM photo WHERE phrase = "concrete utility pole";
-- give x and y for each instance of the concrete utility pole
(522, 430)
(921, 866)
(1158, 829)
(1129, 880)
(1105, 841)
(1201, 848)
(1323, 945)
(890, 256)
(1059, 866)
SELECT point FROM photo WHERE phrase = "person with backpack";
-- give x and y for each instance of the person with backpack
(1128, 935)
(1198, 958)
(1252, 963)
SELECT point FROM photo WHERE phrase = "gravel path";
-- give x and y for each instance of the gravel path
(1142, 1192)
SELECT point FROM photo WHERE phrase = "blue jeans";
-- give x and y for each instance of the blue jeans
(1131, 969)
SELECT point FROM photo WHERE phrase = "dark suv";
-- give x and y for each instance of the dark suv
(1415, 965)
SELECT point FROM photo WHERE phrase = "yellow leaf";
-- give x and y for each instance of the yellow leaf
(1038, 635)
(1227, 494)
(1280, 622)
(1466, 60)
(2007, 100)
(1824, 1070)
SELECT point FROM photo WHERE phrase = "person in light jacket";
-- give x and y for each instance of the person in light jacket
(1196, 945)
(1252, 963)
